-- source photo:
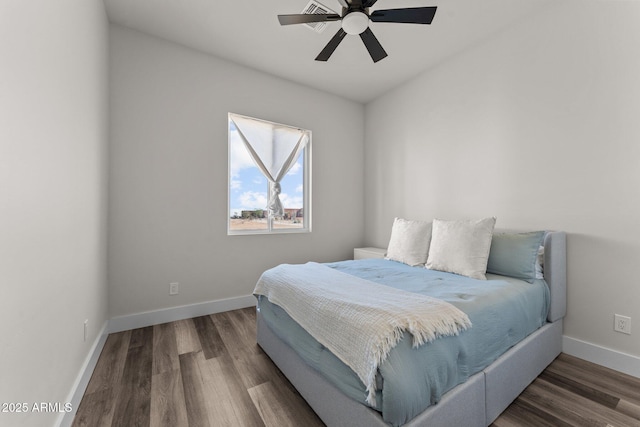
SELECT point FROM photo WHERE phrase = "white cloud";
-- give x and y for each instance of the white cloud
(253, 200)
(235, 184)
(297, 167)
(289, 202)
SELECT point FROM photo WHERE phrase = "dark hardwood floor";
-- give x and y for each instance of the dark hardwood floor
(209, 371)
(574, 392)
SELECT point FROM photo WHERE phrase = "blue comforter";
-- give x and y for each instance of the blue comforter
(502, 310)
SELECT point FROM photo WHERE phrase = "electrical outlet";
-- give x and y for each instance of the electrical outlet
(86, 327)
(622, 324)
(174, 288)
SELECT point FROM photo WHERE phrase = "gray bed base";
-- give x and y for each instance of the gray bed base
(476, 402)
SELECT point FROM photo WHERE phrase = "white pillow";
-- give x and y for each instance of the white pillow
(461, 247)
(409, 242)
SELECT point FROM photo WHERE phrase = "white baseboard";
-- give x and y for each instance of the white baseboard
(140, 320)
(80, 385)
(148, 318)
(607, 357)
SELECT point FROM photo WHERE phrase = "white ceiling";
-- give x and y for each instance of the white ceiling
(247, 32)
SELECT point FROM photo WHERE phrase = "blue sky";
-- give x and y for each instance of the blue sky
(248, 188)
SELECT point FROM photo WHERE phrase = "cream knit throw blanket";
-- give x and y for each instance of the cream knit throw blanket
(359, 321)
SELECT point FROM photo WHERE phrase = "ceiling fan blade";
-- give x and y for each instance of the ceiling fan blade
(304, 18)
(331, 46)
(373, 45)
(369, 3)
(410, 15)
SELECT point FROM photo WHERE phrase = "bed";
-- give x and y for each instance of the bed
(473, 398)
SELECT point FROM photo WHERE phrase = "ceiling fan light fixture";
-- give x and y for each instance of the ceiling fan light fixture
(355, 22)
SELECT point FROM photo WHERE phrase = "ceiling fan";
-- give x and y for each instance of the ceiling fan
(355, 20)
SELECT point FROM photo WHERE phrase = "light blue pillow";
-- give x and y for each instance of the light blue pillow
(514, 254)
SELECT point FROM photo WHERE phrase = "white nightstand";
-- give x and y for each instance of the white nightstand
(364, 253)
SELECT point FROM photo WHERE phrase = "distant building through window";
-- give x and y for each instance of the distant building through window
(269, 177)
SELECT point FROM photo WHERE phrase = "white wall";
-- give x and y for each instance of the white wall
(539, 127)
(168, 174)
(53, 136)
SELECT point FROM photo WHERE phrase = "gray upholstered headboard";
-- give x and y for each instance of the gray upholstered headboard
(555, 272)
(555, 269)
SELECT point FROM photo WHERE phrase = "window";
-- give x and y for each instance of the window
(269, 177)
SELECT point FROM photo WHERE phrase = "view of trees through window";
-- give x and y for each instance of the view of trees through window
(260, 153)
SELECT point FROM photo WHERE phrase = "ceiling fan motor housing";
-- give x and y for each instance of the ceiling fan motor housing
(355, 22)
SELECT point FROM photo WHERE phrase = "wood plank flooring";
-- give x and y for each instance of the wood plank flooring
(205, 371)
(574, 392)
(209, 371)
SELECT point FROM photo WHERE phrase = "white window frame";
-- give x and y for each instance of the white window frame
(306, 183)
